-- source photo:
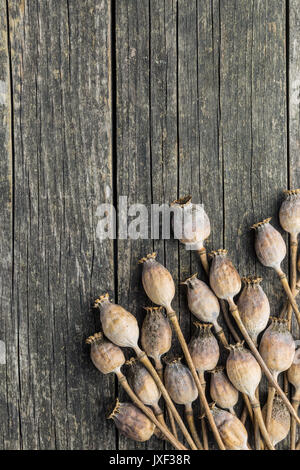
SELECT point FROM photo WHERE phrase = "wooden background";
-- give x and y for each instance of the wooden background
(151, 99)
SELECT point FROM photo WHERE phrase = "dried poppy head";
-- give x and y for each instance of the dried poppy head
(289, 213)
(243, 370)
(157, 281)
(254, 307)
(294, 374)
(202, 301)
(279, 425)
(222, 391)
(277, 346)
(179, 382)
(190, 223)
(156, 334)
(223, 277)
(118, 325)
(132, 422)
(106, 356)
(204, 348)
(269, 244)
(232, 430)
(142, 383)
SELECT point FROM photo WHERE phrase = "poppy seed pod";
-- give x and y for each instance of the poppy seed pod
(277, 346)
(191, 224)
(232, 430)
(204, 348)
(223, 277)
(179, 382)
(269, 244)
(131, 422)
(143, 384)
(222, 391)
(106, 356)
(243, 370)
(118, 325)
(254, 307)
(156, 334)
(289, 213)
(202, 301)
(280, 422)
(157, 281)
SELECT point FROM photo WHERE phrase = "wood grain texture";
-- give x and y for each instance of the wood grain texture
(63, 170)
(148, 99)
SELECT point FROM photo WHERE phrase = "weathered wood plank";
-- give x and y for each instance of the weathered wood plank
(294, 106)
(134, 177)
(10, 436)
(253, 128)
(63, 157)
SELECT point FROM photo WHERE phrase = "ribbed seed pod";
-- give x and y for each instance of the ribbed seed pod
(289, 213)
(106, 356)
(204, 348)
(254, 307)
(293, 376)
(202, 302)
(181, 387)
(271, 250)
(223, 393)
(280, 422)
(156, 334)
(143, 384)
(231, 429)
(131, 422)
(118, 325)
(191, 224)
(157, 281)
(245, 374)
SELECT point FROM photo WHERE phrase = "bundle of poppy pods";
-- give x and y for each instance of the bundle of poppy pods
(182, 384)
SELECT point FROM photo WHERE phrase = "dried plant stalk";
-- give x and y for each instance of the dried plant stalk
(293, 375)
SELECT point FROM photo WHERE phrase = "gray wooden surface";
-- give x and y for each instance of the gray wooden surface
(149, 99)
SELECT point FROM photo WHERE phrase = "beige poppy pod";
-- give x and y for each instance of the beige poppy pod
(191, 224)
(279, 426)
(157, 281)
(179, 382)
(106, 356)
(202, 301)
(204, 348)
(132, 422)
(277, 346)
(269, 245)
(223, 393)
(293, 374)
(254, 307)
(231, 429)
(243, 370)
(289, 213)
(223, 277)
(156, 334)
(142, 383)
(118, 325)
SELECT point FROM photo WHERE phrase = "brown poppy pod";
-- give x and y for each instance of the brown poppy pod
(223, 393)
(280, 422)
(131, 422)
(157, 281)
(118, 325)
(204, 348)
(254, 307)
(143, 384)
(191, 224)
(106, 356)
(182, 389)
(293, 375)
(245, 374)
(223, 277)
(231, 429)
(156, 334)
